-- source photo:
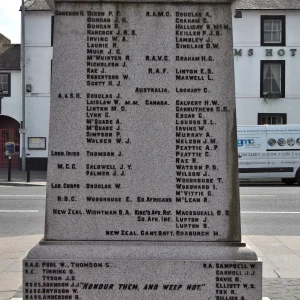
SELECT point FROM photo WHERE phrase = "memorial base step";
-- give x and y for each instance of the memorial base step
(142, 270)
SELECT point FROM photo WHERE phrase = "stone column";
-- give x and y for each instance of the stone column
(142, 194)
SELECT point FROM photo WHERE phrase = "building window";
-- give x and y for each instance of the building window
(273, 30)
(271, 119)
(272, 78)
(5, 84)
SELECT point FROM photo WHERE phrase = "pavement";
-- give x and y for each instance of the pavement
(19, 178)
(280, 254)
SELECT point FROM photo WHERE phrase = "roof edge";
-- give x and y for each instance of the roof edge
(51, 4)
(36, 5)
(268, 9)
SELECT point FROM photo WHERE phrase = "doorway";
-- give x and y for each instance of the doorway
(9, 132)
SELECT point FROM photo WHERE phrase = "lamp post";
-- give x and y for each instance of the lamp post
(23, 130)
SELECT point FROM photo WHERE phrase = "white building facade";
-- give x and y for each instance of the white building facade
(38, 57)
(38, 53)
(266, 53)
(10, 100)
(267, 61)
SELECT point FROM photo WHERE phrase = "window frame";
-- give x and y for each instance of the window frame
(283, 30)
(9, 85)
(282, 81)
(260, 115)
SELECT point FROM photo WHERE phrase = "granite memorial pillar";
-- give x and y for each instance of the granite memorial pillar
(142, 195)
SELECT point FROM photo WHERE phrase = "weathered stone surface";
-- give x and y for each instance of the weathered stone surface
(144, 99)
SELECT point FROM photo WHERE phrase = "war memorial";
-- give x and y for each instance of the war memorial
(142, 195)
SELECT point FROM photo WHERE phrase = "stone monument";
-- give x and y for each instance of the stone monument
(142, 194)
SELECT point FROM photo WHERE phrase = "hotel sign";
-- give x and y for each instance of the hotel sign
(268, 52)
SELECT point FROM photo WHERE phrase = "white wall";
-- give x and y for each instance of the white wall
(38, 75)
(38, 28)
(246, 35)
(38, 70)
(37, 122)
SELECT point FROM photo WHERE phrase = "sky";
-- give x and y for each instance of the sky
(10, 20)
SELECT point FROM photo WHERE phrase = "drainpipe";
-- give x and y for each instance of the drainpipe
(23, 130)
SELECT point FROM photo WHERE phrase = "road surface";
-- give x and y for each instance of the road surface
(265, 210)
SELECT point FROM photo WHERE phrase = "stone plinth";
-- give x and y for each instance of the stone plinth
(137, 270)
